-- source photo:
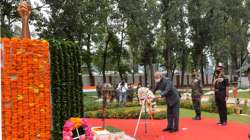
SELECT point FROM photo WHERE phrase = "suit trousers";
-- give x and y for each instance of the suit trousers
(173, 115)
(222, 108)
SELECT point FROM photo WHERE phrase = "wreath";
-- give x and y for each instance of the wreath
(147, 97)
(74, 124)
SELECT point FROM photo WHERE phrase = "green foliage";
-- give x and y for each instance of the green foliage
(244, 94)
(132, 111)
(212, 104)
(245, 108)
(91, 104)
(209, 106)
(168, 32)
(115, 113)
(160, 115)
(56, 135)
(112, 129)
(67, 99)
(186, 104)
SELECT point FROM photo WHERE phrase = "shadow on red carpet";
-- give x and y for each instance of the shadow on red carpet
(205, 129)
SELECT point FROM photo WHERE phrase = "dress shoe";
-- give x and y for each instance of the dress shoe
(166, 129)
(219, 123)
(224, 124)
(197, 118)
(173, 130)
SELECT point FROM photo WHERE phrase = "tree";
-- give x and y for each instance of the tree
(236, 27)
(83, 23)
(201, 17)
(133, 43)
(173, 36)
(142, 23)
(184, 50)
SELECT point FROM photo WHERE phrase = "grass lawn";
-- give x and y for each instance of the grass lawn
(92, 106)
(90, 93)
(232, 117)
(189, 113)
(244, 94)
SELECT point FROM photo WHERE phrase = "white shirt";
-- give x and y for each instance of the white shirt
(123, 88)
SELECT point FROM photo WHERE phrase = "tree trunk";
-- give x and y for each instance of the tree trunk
(172, 72)
(152, 82)
(167, 61)
(133, 72)
(243, 58)
(105, 58)
(132, 66)
(145, 75)
(184, 55)
(201, 69)
(234, 62)
(119, 69)
(119, 55)
(182, 75)
(197, 55)
(167, 53)
(88, 62)
(91, 76)
(183, 67)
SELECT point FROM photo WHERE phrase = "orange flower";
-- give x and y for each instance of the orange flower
(45, 43)
(22, 84)
(4, 40)
(76, 121)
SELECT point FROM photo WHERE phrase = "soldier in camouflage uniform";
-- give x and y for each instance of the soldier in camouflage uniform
(196, 94)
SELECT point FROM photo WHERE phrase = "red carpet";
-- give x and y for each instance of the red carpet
(205, 129)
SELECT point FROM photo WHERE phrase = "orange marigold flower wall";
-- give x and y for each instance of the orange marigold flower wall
(26, 107)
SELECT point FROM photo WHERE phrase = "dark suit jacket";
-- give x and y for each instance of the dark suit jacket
(168, 91)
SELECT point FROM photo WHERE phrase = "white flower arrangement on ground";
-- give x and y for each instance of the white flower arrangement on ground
(146, 94)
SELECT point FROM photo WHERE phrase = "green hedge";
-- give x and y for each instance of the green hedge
(66, 83)
(245, 108)
(121, 113)
(91, 105)
(132, 110)
(125, 114)
(209, 106)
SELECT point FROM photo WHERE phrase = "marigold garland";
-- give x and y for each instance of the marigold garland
(25, 89)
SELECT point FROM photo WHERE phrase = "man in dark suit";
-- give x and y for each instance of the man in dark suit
(172, 97)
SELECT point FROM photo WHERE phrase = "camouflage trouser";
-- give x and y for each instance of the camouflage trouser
(197, 104)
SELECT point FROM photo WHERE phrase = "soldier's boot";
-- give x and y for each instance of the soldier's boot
(195, 118)
(199, 116)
